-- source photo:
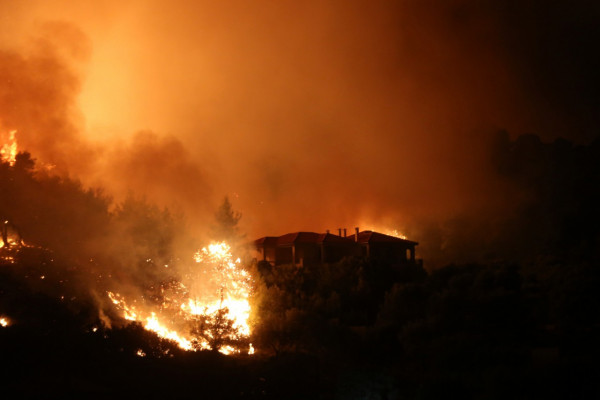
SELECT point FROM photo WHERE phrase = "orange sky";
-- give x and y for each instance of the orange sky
(310, 115)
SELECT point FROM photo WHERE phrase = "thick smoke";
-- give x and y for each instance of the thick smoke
(310, 115)
(39, 101)
(38, 96)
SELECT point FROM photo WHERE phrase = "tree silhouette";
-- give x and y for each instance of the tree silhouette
(226, 220)
(24, 162)
(216, 328)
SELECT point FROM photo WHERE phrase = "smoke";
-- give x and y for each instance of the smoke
(310, 115)
(37, 97)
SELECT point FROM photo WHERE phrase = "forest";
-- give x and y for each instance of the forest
(513, 314)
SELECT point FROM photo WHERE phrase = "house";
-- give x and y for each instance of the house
(310, 248)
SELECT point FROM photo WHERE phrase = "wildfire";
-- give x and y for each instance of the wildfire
(154, 325)
(233, 285)
(209, 311)
(8, 152)
(384, 228)
(394, 232)
(129, 313)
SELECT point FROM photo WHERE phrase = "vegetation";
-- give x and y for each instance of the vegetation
(521, 324)
(225, 227)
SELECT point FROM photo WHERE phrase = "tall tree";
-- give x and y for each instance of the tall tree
(226, 223)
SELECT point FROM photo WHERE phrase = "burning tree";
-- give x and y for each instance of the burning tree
(208, 309)
(216, 329)
(224, 291)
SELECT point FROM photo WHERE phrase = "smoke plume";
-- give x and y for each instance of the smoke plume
(310, 115)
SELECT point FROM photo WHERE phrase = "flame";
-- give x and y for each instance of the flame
(396, 233)
(129, 313)
(233, 285)
(4, 322)
(193, 318)
(154, 325)
(8, 152)
(386, 230)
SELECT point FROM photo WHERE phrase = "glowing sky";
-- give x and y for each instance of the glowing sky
(309, 115)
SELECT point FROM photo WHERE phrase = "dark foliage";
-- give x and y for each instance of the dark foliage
(560, 179)
(524, 326)
(475, 330)
(79, 232)
(544, 205)
(225, 227)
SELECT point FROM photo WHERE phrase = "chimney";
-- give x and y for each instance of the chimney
(356, 234)
(344, 232)
(327, 231)
(339, 231)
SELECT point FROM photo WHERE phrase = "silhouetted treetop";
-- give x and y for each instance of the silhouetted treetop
(226, 223)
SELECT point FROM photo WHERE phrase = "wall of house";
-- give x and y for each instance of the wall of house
(283, 255)
(334, 252)
(391, 251)
(307, 254)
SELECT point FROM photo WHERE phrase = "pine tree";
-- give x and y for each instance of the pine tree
(226, 221)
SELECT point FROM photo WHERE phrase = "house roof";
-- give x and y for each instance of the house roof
(298, 237)
(313, 237)
(376, 237)
(267, 240)
(331, 238)
(302, 237)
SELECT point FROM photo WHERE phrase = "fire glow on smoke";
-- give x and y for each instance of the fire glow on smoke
(192, 316)
(208, 308)
(8, 152)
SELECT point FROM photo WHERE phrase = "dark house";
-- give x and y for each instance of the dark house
(310, 248)
(378, 245)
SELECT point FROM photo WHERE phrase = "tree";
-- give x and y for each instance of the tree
(226, 220)
(24, 162)
(217, 329)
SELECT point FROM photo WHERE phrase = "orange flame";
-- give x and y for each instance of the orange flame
(396, 233)
(8, 152)
(176, 317)
(383, 228)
